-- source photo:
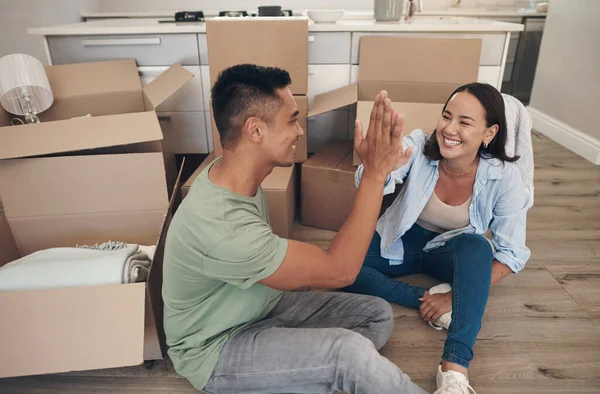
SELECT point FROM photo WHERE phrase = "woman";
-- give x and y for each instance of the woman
(459, 182)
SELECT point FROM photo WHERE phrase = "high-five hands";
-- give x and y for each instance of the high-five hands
(381, 148)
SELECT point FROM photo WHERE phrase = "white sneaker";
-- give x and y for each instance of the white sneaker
(444, 320)
(452, 382)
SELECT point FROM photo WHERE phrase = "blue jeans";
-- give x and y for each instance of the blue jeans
(465, 262)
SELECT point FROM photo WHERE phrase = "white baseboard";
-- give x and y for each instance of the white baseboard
(582, 144)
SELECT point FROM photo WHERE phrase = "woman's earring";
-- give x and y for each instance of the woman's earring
(485, 145)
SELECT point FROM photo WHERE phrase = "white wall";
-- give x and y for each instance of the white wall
(16, 16)
(159, 5)
(566, 90)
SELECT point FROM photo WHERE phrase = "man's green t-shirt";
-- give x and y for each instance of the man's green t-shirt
(219, 245)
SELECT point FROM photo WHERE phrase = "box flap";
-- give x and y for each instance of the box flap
(422, 116)
(331, 155)
(71, 329)
(165, 85)
(278, 42)
(84, 79)
(405, 65)
(97, 88)
(278, 179)
(155, 341)
(334, 99)
(74, 185)
(78, 134)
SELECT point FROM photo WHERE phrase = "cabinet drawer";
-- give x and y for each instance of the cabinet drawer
(147, 50)
(188, 98)
(325, 77)
(322, 128)
(203, 48)
(491, 75)
(492, 46)
(329, 48)
(184, 132)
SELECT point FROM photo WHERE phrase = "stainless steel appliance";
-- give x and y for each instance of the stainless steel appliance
(526, 58)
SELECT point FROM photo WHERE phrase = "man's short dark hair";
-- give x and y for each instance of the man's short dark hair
(243, 91)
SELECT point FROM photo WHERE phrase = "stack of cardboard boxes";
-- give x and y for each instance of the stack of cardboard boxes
(279, 43)
(74, 180)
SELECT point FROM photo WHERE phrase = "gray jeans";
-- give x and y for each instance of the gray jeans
(313, 342)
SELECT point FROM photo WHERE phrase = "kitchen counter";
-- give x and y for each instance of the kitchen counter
(453, 11)
(333, 61)
(153, 26)
(483, 12)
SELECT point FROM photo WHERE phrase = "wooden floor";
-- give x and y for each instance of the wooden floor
(541, 331)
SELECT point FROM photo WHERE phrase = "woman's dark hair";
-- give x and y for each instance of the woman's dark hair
(493, 104)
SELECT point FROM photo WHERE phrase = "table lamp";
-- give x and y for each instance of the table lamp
(24, 86)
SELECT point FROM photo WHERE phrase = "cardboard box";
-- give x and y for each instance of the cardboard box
(328, 188)
(280, 193)
(83, 181)
(123, 113)
(418, 73)
(302, 145)
(274, 42)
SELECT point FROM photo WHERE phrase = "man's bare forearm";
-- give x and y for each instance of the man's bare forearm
(352, 241)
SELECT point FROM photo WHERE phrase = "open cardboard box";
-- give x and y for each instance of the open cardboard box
(418, 73)
(273, 42)
(123, 117)
(85, 328)
(65, 182)
(279, 188)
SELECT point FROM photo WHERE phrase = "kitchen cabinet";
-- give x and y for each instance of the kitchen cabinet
(205, 77)
(325, 77)
(491, 75)
(184, 132)
(147, 49)
(188, 98)
(202, 48)
(329, 48)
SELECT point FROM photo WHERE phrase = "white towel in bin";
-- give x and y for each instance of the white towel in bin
(78, 266)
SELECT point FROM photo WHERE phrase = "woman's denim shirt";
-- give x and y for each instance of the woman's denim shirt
(500, 203)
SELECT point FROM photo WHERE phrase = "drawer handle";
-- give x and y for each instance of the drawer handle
(311, 70)
(121, 41)
(164, 118)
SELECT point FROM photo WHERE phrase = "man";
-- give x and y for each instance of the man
(232, 322)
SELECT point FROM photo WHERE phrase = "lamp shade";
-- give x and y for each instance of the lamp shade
(23, 74)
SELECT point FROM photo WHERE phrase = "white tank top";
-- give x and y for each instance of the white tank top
(440, 217)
